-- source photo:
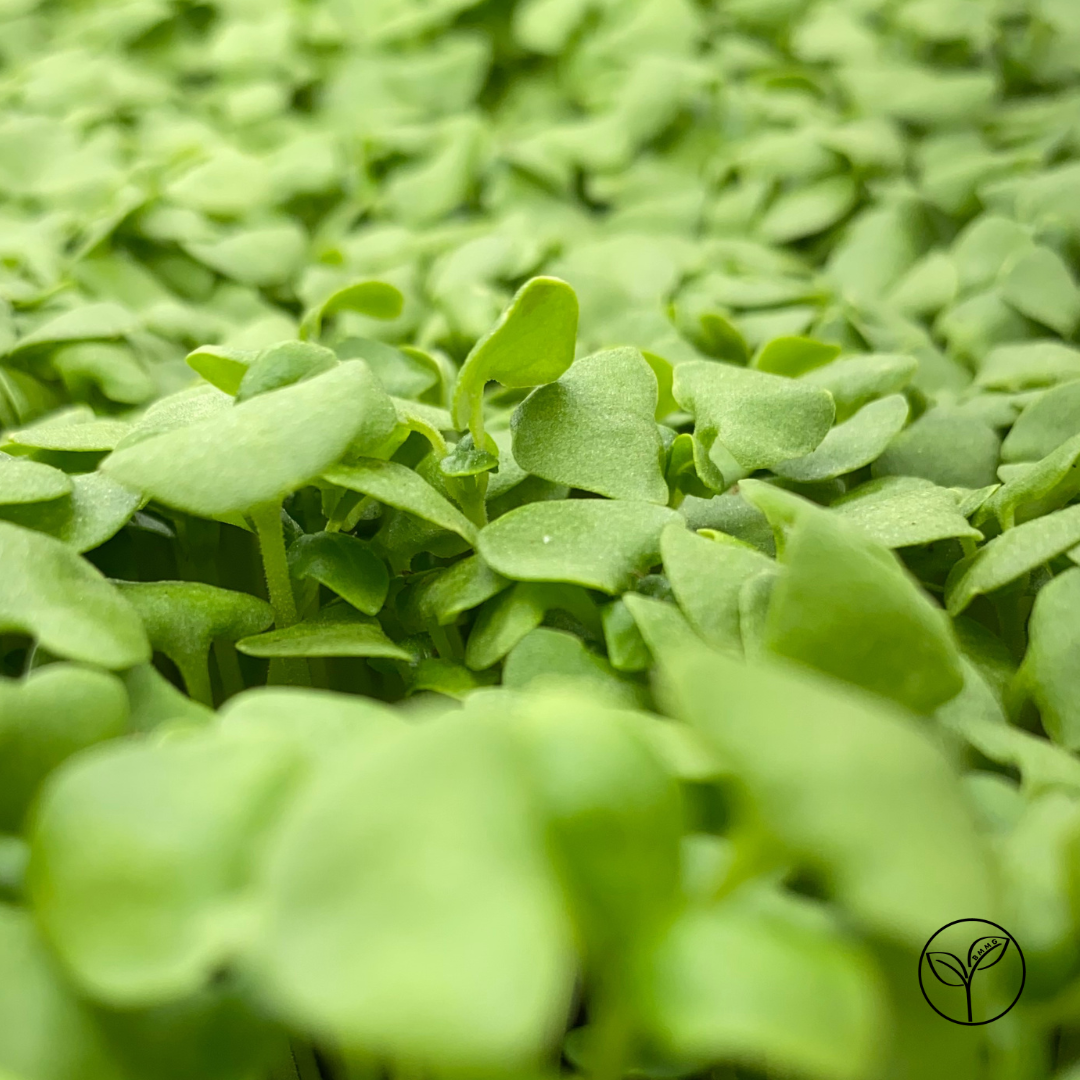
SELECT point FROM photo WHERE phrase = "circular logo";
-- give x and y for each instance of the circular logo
(972, 972)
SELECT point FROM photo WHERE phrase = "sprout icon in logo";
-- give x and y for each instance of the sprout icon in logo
(955, 972)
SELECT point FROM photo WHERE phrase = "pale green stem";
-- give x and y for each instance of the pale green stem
(610, 1051)
(448, 642)
(232, 679)
(307, 1067)
(195, 671)
(271, 534)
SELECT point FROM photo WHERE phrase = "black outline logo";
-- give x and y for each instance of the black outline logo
(985, 951)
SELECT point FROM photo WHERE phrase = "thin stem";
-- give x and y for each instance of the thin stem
(268, 527)
(448, 642)
(967, 989)
(610, 1049)
(195, 671)
(307, 1067)
(271, 534)
(232, 679)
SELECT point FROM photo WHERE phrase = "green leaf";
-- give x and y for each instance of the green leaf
(794, 993)
(1039, 488)
(513, 613)
(531, 344)
(612, 807)
(184, 618)
(265, 257)
(467, 460)
(70, 434)
(760, 419)
(65, 604)
(316, 725)
(794, 356)
(343, 564)
(284, 365)
(94, 512)
(23, 481)
(838, 779)
(410, 908)
(1013, 553)
(1039, 285)
(546, 658)
(845, 606)
(445, 595)
(591, 542)
(808, 210)
(375, 299)
(221, 365)
(1042, 765)
(400, 487)
(1044, 425)
(54, 712)
(1051, 669)
(626, 647)
(404, 373)
(595, 429)
(950, 449)
(1029, 365)
(91, 322)
(155, 701)
(707, 576)
(259, 450)
(852, 444)
(149, 916)
(905, 511)
(46, 1031)
(336, 631)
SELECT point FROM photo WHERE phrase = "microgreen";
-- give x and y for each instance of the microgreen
(537, 538)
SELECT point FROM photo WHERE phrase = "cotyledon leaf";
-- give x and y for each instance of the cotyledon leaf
(594, 428)
(1043, 486)
(259, 450)
(344, 564)
(1051, 668)
(1011, 554)
(71, 435)
(47, 1031)
(856, 379)
(597, 543)
(794, 992)
(904, 511)
(839, 778)
(952, 450)
(707, 576)
(1053, 418)
(794, 356)
(448, 593)
(46, 717)
(184, 618)
(761, 419)
(376, 299)
(511, 614)
(531, 344)
(337, 630)
(410, 907)
(58, 598)
(23, 481)
(223, 366)
(148, 917)
(846, 606)
(851, 445)
(546, 657)
(399, 486)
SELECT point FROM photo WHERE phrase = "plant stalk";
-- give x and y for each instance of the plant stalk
(268, 527)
